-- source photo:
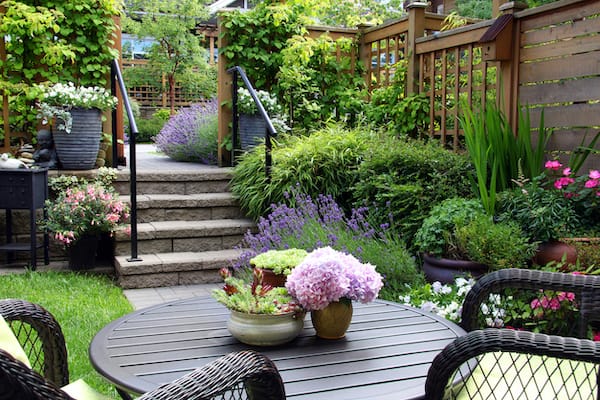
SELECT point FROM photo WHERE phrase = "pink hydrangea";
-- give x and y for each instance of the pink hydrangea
(327, 275)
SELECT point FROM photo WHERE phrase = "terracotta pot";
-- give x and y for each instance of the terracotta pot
(333, 321)
(265, 329)
(445, 270)
(555, 250)
(271, 278)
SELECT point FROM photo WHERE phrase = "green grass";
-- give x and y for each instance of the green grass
(82, 304)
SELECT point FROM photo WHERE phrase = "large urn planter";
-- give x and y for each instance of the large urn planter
(78, 149)
(555, 251)
(265, 329)
(252, 129)
(446, 270)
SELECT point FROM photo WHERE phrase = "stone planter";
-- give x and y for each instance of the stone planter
(265, 329)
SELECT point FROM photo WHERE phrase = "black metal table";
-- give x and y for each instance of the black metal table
(385, 355)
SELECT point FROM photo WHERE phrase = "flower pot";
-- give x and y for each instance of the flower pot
(445, 270)
(252, 129)
(82, 252)
(333, 321)
(554, 251)
(265, 329)
(271, 278)
(78, 149)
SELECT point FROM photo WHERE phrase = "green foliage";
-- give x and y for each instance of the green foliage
(436, 234)
(319, 82)
(542, 214)
(82, 303)
(408, 177)
(256, 37)
(148, 128)
(348, 13)
(177, 50)
(498, 155)
(323, 162)
(62, 41)
(279, 261)
(497, 245)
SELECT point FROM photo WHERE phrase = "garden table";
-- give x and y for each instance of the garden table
(385, 355)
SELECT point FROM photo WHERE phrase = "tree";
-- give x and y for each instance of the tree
(177, 50)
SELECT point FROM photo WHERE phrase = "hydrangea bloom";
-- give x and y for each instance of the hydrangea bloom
(327, 275)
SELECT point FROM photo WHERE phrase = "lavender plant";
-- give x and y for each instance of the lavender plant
(313, 223)
(191, 134)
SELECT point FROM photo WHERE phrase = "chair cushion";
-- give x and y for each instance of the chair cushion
(82, 391)
(10, 344)
(527, 376)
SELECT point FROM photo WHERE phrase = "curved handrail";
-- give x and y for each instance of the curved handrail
(270, 131)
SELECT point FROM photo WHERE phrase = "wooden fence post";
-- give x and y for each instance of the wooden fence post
(416, 29)
(223, 98)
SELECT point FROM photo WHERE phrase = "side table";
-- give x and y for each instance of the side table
(24, 189)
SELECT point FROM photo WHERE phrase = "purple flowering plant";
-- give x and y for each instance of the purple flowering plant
(191, 134)
(327, 275)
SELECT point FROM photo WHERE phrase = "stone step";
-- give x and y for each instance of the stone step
(172, 269)
(210, 180)
(183, 236)
(182, 207)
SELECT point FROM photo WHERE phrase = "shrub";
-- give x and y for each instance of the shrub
(319, 222)
(409, 177)
(149, 128)
(324, 162)
(191, 134)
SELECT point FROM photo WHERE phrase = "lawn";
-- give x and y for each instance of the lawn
(81, 303)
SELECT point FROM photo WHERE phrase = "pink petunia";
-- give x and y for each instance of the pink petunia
(567, 171)
(594, 174)
(553, 165)
(563, 182)
(591, 183)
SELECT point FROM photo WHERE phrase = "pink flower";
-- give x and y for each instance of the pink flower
(596, 336)
(553, 165)
(567, 171)
(594, 174)
(591, 183)
(560, 183)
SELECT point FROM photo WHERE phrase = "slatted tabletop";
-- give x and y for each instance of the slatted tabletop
(385, 355)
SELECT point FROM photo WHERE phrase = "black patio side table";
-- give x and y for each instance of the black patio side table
(385, 355)
(24, 189)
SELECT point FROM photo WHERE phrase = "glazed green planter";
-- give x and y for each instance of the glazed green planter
(265, 329)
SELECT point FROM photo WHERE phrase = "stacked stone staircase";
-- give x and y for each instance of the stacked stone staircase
(189, 226)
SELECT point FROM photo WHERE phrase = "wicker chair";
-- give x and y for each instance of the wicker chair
(513, 363)
(244, 374)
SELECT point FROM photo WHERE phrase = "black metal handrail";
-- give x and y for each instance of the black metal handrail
(116, 77)
(270, 129)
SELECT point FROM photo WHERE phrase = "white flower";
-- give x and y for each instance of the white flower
(484, 309)
(436, 286)
(428, 306)
(446, 289)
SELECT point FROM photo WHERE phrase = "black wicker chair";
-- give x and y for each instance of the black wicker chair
(500, 363)
(245, 374)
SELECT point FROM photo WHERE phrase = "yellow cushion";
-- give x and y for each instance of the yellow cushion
(10, 344)
(82, 391)
(499, 373)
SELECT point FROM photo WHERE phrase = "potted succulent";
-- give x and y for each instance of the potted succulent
(75, 113)
(261, 315)
(459, 237)
(326, 282)
(276, 265)
(81, 211)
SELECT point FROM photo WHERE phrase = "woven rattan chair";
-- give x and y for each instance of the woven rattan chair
(500, 363)
(245, 374)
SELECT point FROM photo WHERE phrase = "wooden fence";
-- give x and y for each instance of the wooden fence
(544, 58)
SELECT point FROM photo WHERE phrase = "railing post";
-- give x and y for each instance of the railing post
(416, 29)
(224, 91)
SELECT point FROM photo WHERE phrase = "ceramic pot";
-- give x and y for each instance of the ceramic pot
(333, 321)
(445, 270)
(78, 149)
(271, 278)
(82, 252)
(252, 129)
(555, 250)
(265, 329)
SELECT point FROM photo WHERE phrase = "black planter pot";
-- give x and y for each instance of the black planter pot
(78, 149)
(445, 270)
(252, 129)
(82, 253)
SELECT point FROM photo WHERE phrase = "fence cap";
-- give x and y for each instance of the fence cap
(416, 4)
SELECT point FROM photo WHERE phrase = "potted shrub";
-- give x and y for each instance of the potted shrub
(276, 265)
(252, 126)
(261, 315)
(75, 113)
(459, 237)
(81, 212)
